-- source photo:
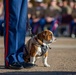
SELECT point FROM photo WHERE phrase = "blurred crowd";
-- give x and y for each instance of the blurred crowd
(58, 16)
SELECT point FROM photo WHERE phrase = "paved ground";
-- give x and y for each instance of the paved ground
(62, 58)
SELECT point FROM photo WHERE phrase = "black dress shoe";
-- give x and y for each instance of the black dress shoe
(27, 65)
(14, 65)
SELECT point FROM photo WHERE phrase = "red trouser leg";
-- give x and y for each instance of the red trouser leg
(7, 30)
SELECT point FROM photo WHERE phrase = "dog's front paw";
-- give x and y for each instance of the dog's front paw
(46, 65)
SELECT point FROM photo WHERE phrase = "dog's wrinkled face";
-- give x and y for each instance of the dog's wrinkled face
(48, 36)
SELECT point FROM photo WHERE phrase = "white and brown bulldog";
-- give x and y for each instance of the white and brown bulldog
(38, 46)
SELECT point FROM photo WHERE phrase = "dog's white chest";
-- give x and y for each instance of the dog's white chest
(39, 52)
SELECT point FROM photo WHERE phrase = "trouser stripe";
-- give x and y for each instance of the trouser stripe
(7, 30)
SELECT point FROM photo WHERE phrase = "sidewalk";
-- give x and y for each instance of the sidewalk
(62, 58)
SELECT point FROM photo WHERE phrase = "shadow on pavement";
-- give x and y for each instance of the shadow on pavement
(2, 67)
(39, 73)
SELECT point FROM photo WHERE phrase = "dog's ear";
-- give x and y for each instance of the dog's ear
(39, 38)
(44, 33)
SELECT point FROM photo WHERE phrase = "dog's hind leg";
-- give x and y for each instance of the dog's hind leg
(32, 60)
(33, 54)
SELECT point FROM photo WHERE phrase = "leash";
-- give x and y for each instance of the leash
(29, 27)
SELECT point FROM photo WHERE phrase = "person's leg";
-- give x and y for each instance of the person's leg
(12, 14)
(21, 35)
(42, 23)
(15, 33)
(22, 30)
(71, 29)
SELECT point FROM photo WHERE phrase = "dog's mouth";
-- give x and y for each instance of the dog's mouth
(53, 39)
(50, 41)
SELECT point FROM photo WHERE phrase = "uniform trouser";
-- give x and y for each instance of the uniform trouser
(15, 30)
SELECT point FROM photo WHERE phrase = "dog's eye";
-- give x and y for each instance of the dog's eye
(50, 34)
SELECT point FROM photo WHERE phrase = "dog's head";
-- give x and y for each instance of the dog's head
(47, 36)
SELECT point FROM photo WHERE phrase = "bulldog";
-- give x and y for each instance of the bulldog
(38, 46)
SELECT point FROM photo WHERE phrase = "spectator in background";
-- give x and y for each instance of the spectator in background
(60, 3)
(66, 14)
(44, 5)
(54, 27)
(65, 5)
(73, 23)
(71, 5)
(38, 21)
(30, 6)
(52, 16)
(1, 8)
(1, 18)
(75, 5)
(54, 6)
